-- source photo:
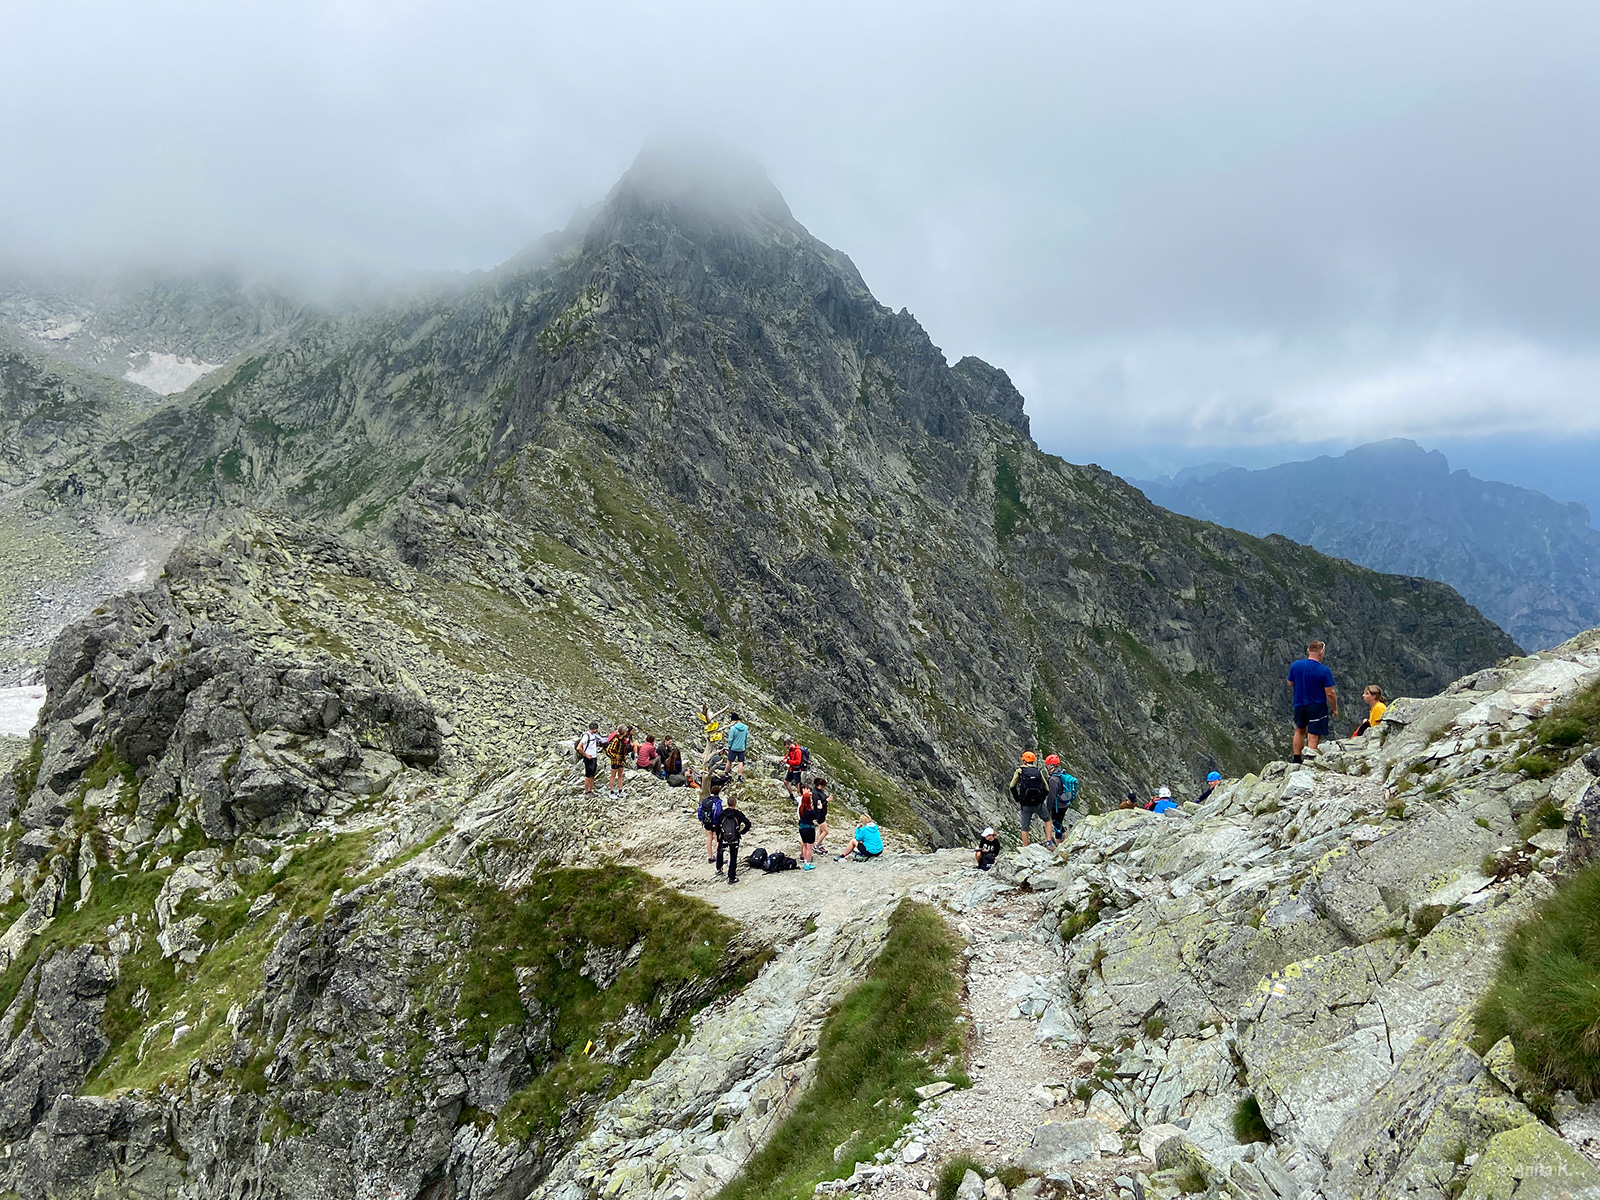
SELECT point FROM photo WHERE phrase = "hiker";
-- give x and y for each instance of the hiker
(1029, 790)
(819, 806)
(588, 746)
(1213, 780)
(987, 849)
(1062, 794)
(731, 826)
(670, 761)
(1129, 801)
(1377, 705)
(646, 758)
(710, 816)
(868, 842)
(1162, 801)
(1315, 701)
(618, 746)
(738, 744)
(808, 829)
(794, 761)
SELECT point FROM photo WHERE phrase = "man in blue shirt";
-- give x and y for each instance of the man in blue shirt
(738, 743)
(1315, 701)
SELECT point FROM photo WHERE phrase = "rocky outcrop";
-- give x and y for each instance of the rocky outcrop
(1318, 939)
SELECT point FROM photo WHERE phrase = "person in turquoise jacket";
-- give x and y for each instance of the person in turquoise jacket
(738, 744)
(868, 842)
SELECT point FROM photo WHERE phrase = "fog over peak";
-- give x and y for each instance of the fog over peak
(1251, 223)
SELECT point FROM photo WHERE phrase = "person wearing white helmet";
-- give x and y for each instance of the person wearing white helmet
(1162, 802)
(987, 849)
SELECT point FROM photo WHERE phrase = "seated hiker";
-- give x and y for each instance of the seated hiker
(732, 825)
(868, 841)
(710, 816)
(646, 755)
(1129, 801)
(987, 849)
(669, 760)
(1377, 705)
(1162, 801)
(1212, 780)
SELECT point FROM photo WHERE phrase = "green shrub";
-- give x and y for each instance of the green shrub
(1537, 766)
(885, 1039)
(1154, 1026)
(1248, 1123)
(1563, 731)
(954, 1171)
(1428, 918)
(1191, 1180)
(1012, 1176)
(1546, 995)
(1076, 923)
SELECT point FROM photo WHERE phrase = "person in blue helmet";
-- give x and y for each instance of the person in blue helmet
(1212, 781)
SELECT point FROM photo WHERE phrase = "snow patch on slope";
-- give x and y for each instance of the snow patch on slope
(166, 374)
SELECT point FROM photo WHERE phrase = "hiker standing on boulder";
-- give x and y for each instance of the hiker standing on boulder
(731, 826)
(1029, 790)
(588, 746)
(1062, 795)
(738, 744)
(794, 765)
(1315, 701)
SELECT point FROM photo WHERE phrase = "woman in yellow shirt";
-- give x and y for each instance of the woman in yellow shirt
(1376, 707)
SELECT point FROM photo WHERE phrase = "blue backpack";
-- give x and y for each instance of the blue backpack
(710, 811)
(1069, 790)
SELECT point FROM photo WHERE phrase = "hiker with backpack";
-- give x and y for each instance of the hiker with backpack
(588, 747)
(618, 747)
(819, 806)
(670, 762)
(1029, 790)
(710, 817)
(808, 829)
(738, 744)
(796, 758)
(1062, 794)
(731, 826)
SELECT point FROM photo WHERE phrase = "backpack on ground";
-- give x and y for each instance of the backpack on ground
(779, 861)
(757, 857)
(711, 811)
(1031, 787)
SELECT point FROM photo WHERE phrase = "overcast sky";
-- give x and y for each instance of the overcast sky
(1178, 225)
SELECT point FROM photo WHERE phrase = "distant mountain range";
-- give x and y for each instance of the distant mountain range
(1529, 563)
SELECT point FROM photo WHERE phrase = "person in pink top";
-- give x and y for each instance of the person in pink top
(646, 757)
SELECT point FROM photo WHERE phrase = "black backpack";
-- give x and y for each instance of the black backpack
(757, 857)
(779, 861)
(1031, 788)
(730, 825)
(805, 758)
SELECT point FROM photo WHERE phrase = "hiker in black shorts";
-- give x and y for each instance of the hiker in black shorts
(819, 806)
(808, 829)
(732, 826)
(1315, 701)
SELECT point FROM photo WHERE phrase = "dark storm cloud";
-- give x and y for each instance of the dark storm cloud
(1217, 223)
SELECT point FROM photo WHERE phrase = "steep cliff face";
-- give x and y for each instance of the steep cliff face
(1528, 562)
(705, 409)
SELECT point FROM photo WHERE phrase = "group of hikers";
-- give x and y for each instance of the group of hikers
(1045, 793)
(721, 763)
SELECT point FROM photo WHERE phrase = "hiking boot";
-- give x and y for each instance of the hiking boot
(810, 867)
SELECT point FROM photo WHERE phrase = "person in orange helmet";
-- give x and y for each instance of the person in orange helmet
(1029, 789)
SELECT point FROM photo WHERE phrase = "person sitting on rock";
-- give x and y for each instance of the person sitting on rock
(1162, 801)
(868, 841)
(1377, 705)
(646, 757)
(1212, 781)
(669, 762)
(987, 849)
(1129, 801)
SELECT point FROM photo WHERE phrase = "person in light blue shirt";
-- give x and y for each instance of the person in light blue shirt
(868, 842)
(738, 744)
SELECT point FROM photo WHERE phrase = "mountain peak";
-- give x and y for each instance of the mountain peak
(714, 179)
